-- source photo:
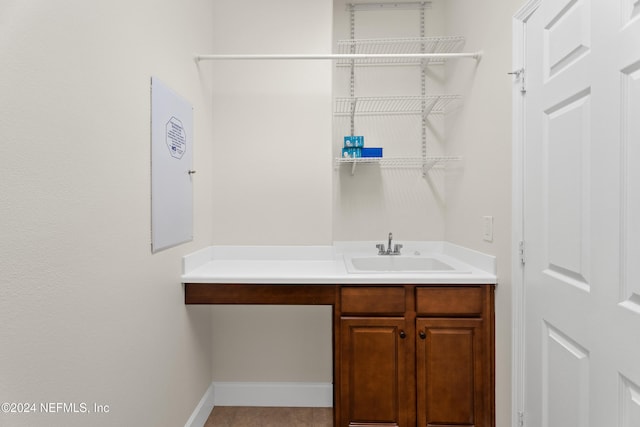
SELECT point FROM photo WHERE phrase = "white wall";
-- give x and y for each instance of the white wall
(272, 177)
(376, 200)
(272, 124)
(87, 313)
(481, 132)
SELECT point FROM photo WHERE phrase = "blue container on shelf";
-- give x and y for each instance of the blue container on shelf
(354, 141)
(371, 152)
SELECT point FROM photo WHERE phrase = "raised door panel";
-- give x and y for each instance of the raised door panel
(373, 376)
(451, 375)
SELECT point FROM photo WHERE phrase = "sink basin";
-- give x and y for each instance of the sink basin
(397, 264)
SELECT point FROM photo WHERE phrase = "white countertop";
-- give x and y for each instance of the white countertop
(326, 264)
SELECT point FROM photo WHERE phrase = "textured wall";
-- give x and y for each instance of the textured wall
(87, 313)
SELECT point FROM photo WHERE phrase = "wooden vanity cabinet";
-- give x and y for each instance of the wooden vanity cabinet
(404, 355)
(415, 356)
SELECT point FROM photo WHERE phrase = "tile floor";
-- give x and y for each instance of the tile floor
(239, 416)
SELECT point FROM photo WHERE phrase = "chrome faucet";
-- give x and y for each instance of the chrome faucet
(388, 251)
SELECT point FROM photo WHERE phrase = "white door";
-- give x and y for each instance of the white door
(582, 214)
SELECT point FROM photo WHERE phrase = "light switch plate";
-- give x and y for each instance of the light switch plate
(487, 228)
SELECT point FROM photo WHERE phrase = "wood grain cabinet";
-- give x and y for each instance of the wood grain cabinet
(415, 356)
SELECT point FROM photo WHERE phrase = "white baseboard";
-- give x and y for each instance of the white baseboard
(273, 394)
(202, 411)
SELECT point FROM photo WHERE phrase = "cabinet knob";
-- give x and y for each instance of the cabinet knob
(403, 334)
(422, 335)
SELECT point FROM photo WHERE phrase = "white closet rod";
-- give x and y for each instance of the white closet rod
(474, 55)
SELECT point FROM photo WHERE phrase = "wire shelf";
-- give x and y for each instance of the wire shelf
(430, 104)
(402, 46)
(424, 163)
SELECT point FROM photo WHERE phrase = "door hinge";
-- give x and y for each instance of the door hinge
(521, 251)
(521, 419)
(519, 75)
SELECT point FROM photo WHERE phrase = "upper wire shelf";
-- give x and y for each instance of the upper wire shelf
(416, 50)
(429, 104)
(437, 50)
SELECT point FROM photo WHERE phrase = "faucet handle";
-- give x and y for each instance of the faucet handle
(380, 247)
(397, 247)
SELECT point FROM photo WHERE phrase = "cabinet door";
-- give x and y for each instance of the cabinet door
(451, 374)
(373, 383)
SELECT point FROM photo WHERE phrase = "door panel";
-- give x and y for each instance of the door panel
(450, 374)
(566, 35)
(373, 372)
(565, 376)
(629, 403)
(582, 214)
(566, 140)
